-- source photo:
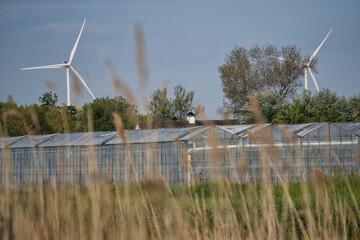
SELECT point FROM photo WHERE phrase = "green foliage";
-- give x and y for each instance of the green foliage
(182, 102)
(15, 120)
(48, 99)
(144, 117)
(160, 105)
(270, 103)
(164, 108)
(299, 111)
(336, 190)
(353, 110)
(48, 118)
(324, 106)
(101, 111)
(53, 119)
(327, 107)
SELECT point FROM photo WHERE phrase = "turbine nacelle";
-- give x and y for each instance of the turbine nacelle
(67, 65)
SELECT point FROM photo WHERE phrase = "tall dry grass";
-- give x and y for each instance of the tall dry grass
(153, 210)
(320, 208)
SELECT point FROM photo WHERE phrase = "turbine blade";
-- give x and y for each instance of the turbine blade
(313, 77)
(76, 43)
(82, 80)
(317, 50)
(284, 59)
(46, 67)
(280, 58)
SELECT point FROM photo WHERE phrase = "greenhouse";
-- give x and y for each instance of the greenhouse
(241, 153)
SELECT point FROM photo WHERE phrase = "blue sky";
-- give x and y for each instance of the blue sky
(185, 42)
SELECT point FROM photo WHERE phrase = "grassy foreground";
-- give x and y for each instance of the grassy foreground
(322, 208)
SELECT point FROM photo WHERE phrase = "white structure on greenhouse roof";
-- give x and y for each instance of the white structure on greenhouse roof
(242, 153)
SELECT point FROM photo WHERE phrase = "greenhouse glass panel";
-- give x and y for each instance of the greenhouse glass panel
(238, 152)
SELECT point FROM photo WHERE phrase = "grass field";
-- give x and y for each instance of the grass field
(321, 208)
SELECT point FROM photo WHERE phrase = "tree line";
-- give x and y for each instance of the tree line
(323, 106)
(48, 117)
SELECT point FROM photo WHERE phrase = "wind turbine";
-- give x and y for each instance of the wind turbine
(306, 65)
(67, 65)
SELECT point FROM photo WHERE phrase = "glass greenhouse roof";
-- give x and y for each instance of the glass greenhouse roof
(297, 127)
(237, 129)
(314, 126)
(353, 127)
(32, 141)
(158, 135)
(7, 141)
(193, 133)
(76, 139)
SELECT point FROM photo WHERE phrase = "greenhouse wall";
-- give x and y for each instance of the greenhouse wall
(270, 152)
(330, 148)
(278, 152)
(213, 155)
(71, 165)
(240, 153)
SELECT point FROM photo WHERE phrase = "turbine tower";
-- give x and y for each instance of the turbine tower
(67, 65)
(306, 65)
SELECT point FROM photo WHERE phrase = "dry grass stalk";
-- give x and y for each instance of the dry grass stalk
(225, 114)
(140, 55)
(185, 155)
(35, 120)
(50, 85)
(263, 136)
(318, 177)
(77, 85)
(200, 111)
(255, 109)
(118, 84)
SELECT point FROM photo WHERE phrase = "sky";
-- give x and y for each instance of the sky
(185, 43)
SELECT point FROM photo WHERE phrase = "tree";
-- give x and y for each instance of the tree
(48, 113)
(183, 102)
(54, 118)
(353, 111)
(323, 106)
(15, 120)
(270, 104)
(10, 99)
(164, 108)
(102, 110)
(327, 107)
(246, 72)
(160, 105)
(48, 99)
(299, 111)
